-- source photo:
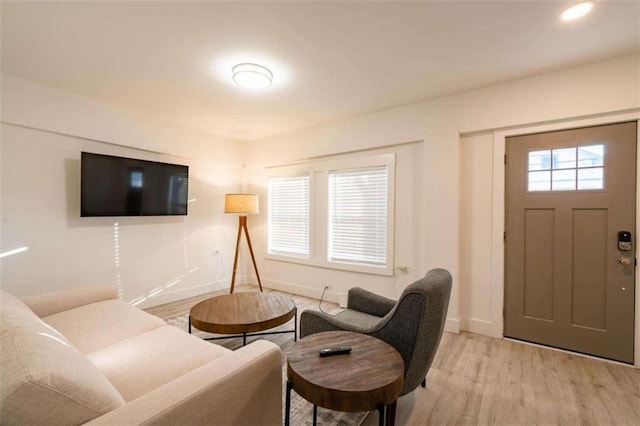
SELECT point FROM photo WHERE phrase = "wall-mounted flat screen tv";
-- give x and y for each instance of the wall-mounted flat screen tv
(117, 186)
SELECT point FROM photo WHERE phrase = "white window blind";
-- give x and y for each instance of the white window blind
(288, 217)
(358, 216)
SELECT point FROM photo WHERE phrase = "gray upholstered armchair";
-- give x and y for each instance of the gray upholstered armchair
(413, 324)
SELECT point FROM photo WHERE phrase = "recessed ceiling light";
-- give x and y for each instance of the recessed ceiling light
(577, 10)
(252, 76)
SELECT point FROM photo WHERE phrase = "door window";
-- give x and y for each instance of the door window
(566, 169)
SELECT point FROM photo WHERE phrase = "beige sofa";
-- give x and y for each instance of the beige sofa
(83, 356)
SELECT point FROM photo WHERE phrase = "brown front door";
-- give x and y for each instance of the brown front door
(569, 283)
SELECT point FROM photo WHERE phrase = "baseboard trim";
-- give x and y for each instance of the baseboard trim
(477, 326)
(452, 325)
(314, 293)
(184, 293)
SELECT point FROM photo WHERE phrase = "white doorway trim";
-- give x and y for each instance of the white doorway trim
(498, 212)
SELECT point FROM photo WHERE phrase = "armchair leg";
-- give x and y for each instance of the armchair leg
(424, 383)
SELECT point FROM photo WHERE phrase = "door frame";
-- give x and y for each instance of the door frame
(498, 212)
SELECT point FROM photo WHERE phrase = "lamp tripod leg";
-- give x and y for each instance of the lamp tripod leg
(235, 259)
(253, 259)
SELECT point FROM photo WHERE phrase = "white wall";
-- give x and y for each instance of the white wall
(476, 183)
(452, 215)
(152, 260)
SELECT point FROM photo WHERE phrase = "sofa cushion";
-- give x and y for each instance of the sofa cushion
(44, 378)
(98, 325)
(142, 363)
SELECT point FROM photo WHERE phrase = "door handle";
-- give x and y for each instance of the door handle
(624, 260)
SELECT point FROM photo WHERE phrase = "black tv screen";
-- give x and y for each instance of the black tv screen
(117, 186)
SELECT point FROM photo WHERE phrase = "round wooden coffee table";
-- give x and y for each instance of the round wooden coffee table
(244, 313)
(370, 377)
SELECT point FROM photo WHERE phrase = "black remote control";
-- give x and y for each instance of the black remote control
(338, 350)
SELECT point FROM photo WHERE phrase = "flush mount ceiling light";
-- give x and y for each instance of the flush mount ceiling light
(577, 10)
(252, 76)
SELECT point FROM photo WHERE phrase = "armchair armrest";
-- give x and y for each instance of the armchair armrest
(242, 388)
(370, 303)
(51, 303)
(312, 322)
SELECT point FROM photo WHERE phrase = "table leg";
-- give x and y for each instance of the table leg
(315, 415)
(295, 325)
(391, 413)
(381, 416)
(244, 339)
(287, 405)
(189, 324)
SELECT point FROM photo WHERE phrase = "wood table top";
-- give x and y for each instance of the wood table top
(372, 374)
(242, 312)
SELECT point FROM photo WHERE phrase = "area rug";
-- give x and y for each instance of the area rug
(301, 410)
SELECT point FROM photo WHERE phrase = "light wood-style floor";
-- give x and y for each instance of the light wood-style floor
(479, 380)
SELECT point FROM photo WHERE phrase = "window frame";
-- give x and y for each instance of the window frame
(318, 172)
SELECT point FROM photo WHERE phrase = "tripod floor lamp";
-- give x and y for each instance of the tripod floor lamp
(243, 204)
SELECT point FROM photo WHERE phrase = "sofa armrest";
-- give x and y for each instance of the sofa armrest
(51, 303)
(242, 388)
(370, 303)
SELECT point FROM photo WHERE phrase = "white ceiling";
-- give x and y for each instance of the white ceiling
(330, 60)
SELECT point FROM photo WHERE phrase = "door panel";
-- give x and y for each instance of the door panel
(538, 270)
(589, 268)
(568, 194)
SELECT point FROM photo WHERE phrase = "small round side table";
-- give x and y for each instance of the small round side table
(370, 377)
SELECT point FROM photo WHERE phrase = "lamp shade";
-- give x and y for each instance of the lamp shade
(241, 203)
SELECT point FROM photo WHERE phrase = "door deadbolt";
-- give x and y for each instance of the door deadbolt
(624, 241)
(623, 260)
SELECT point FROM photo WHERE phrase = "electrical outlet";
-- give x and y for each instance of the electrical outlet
(404, 270)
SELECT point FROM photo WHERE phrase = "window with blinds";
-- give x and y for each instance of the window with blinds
(335, 213)
(358, 205)
(288, 216)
